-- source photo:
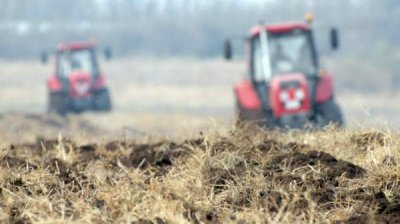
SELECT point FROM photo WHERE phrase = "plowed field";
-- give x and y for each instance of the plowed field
(244, 176)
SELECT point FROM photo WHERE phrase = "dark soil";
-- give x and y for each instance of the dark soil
(317, 175)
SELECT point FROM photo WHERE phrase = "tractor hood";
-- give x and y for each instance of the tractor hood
(80, 84)
(289, 94)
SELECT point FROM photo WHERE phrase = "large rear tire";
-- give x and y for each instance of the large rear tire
(102, 100)
(329, 113)
(58, 103)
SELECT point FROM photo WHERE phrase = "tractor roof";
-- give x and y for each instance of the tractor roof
(279, 28)
(76, 45)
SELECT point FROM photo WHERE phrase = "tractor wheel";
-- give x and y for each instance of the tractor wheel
(102, 100)
(243, 115)
(258, 117)
(58, 103)
(329, 113)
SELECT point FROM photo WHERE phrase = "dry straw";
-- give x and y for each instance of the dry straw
(247, 175)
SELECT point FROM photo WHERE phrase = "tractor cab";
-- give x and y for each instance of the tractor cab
(78, 83)
(289, 49)
(284, 86)
(71, 60)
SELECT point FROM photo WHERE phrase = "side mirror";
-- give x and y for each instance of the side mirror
(107, 53)
(44, 57)
(228, 50)
(335, 39)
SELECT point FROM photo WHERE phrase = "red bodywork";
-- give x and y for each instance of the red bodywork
(247, 96)
(324, 91)
(289, 94)
(80, 84)
(76, 46)
(279, 28)
(54, 84)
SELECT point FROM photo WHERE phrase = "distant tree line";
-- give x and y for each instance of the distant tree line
(187, 28)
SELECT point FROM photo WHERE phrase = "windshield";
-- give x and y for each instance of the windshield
(289, 53)
(77, 60)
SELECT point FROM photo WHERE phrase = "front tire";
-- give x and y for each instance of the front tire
(329, 113)
(102, 100)
(58, 103)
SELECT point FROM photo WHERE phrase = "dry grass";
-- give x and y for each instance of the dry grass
(247, 175)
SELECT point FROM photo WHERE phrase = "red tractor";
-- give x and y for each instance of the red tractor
(285, 86)
(78, 84)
